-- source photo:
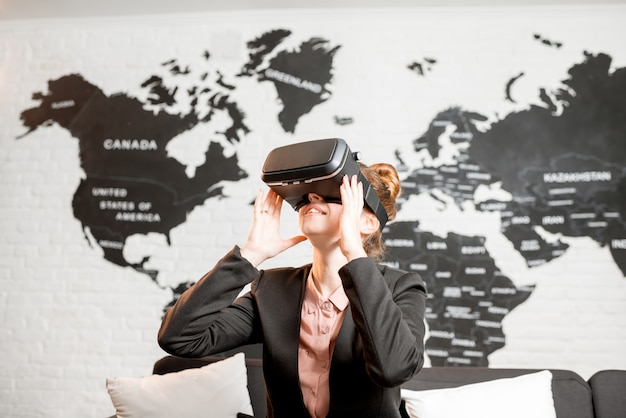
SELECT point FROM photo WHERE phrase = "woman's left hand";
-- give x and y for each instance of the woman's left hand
(351, 191)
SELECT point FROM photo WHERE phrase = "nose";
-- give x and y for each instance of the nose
(314, 197)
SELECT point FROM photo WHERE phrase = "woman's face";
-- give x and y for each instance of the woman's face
(319, 218)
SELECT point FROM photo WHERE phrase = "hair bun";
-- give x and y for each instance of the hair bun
(389, 177)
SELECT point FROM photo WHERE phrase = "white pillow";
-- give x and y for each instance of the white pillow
(525, 396)
(217, 390)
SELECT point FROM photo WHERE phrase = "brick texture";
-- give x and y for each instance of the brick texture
(69, 318)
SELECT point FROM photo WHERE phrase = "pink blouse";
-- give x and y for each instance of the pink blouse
(319, 326)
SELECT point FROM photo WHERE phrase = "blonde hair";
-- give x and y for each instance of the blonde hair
(386, 183)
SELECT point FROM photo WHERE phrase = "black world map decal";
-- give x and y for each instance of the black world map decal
(563, 161)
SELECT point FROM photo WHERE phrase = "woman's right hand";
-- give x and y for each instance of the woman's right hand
(264, 240)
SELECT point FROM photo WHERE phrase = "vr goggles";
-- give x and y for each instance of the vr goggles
(293, 171)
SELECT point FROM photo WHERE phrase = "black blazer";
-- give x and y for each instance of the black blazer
(379, 346)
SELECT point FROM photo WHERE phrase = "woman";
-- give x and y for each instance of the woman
(339, 335)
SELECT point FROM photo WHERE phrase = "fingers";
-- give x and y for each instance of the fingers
(352, 208)
(269, 203)
(351, 191)
(276, 202)
(258, 203)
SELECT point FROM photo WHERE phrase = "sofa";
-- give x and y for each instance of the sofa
(601, 396)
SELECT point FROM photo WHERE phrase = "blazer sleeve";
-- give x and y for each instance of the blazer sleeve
(388, 310)
(208, 318)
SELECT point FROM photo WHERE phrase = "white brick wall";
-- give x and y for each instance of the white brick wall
(69, 319)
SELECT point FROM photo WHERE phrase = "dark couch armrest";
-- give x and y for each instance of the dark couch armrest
(608, 388)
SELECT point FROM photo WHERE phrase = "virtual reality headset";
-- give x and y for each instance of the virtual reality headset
(293, 171)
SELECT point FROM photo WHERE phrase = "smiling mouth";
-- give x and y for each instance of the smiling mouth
(314, 210)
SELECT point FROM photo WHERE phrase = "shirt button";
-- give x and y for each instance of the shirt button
(326, 305)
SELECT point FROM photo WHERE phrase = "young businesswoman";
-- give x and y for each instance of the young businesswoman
(339, 335)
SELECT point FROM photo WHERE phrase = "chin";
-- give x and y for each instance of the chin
(310, 231)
